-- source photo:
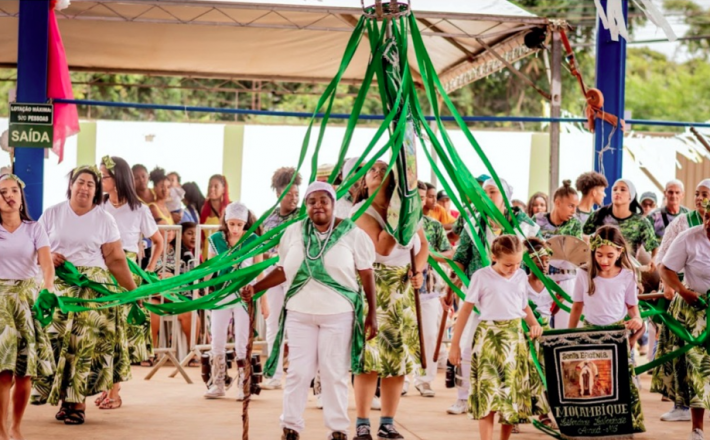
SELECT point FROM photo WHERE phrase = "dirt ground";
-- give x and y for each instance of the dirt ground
(165, 408)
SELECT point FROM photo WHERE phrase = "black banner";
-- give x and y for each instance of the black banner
(587, 373)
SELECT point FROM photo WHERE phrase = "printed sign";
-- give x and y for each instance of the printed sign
(31, 125)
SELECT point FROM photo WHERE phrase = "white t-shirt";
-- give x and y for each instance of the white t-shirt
(131, 224)
(542, 300)
(343, 207)
(690, 251)
(498, 298)
(611, 298)
(675, 228)
(400, 255)
(79, 238)
(354, 251)
(19, 251)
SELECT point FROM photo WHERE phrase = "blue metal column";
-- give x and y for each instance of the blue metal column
(32, 88)
(610, 74)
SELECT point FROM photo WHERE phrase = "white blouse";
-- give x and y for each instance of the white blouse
(79, 238)
(19, 251)
(132, 223)
(498, 298)
(353, 252)
(400, 255)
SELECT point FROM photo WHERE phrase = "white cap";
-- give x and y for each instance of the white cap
(236, 211)
(320, 186)
(507, 189)
(704, 183)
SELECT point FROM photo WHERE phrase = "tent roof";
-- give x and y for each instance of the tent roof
(286, 40)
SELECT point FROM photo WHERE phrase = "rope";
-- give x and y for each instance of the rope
(247, 370)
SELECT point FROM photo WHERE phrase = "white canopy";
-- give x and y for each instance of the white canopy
(281, 40)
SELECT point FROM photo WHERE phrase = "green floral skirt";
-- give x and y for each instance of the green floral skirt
(503, 376)
(90, 348)
(389, 353)
(140, 339)
(686, 379)
(25, 349)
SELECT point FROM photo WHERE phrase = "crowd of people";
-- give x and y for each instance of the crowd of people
(343, 291)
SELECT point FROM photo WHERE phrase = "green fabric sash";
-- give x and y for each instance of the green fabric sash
(694, 219)
(313, 268)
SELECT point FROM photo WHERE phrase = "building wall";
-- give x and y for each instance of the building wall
(690, 173)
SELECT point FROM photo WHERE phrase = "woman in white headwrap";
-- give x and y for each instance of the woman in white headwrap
(665, 378)
(626, 213)
(320, 261)
(236, 221)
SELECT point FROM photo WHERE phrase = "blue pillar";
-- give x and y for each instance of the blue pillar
(32, 88)
(611, 73)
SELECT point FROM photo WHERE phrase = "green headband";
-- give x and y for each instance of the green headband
(13, 177)
(596, 242)
(108, 163)
(90, 168)
(543, 252)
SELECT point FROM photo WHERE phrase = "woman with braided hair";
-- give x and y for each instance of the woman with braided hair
(27, 351)
(90, 347)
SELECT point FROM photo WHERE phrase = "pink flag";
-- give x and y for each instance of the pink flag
(66, 118)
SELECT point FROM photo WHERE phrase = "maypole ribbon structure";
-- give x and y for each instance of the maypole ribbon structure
(389, 28)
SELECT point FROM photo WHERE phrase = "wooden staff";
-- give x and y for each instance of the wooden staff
(247, 368)
(418, 308)
(448, 300)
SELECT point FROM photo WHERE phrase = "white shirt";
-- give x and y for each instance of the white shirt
(498, 298)
(542, 300)
(354, 251)
(19, 251)
(611, 298)
(400, 255)
(691, 251)
(674, 229)
(79, 238)
(343, 208)
(131, 224)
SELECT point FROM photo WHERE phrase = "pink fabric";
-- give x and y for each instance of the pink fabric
(66, 118)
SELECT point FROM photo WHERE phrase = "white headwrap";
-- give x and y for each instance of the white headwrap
(507, 189)
(320, 186)
(705, 183)
(349, 165)
(236, 211)
(629, 184)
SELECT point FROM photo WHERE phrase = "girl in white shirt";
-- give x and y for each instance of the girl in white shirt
(606, 292)
(27, 351)
(236, 221)
(500, 293)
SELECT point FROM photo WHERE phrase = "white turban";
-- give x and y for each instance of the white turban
(236, 211)
(629, 184)
(349, 165)
(507, 189)
(320, 186)
(704, 183)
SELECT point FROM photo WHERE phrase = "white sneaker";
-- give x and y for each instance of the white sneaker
(319, 401)
(272, 384)
(405, 388)
(376, 404)
(676, 415)
(458, 408)
(425, 390)
(214, 392)
(697, 434)
(240, 385)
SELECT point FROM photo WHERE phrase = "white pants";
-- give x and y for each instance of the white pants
(318, 342)
(466, 352)
(220, 326)
(431, 317)
(562, 317)
(275, 297)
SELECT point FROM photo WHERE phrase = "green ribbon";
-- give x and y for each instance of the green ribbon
(313, 268)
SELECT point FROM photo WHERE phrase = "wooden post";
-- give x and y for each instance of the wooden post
(555, 111)
(247, 369)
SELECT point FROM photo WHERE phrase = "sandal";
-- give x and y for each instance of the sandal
(111, 403)
(101, 398)
(148, 362)
(62, 413)
(547, 421)
(516, 429)
(75, 417)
